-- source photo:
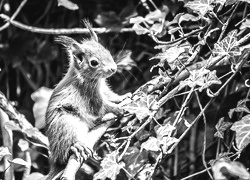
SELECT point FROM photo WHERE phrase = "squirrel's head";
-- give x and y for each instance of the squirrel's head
(89, 59)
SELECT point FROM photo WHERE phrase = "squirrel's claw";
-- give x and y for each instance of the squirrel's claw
(80, 150)
(125, 96)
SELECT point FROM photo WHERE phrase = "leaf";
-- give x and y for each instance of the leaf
(20, 161)
(152, 144)
(143, 135)
(110, 168)
(200, 6)
(165, 130)
(35, 175)
(228, 46)
(34, 132)
(156, 15)
(163, 140)
(158, 29)
(135, 159)
(223, 169)
(170, 56)
(109, 19)
(136, 20)
(128, 11)
(221, 126)
(201, 77)
(230, 113)
(241, 107)
(145, 172)
(140, 105)
(230, 2)
(186, 123)
(175, 19)
(23, 144)
(248, 1)
(67, 4)
(12, 126)
(41, 100)
(140, 112)
(242, 129)
(173, 30)
(166, 142)
(222, 2)
(210, 79)
(139, 29)
(188, 17)
(4, 151)
(245, 24)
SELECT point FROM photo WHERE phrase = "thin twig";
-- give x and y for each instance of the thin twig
(158, 159)
(125, 149)
(195, 174)
(14, 15)
(192, 148)
(224, 27)
(234, 74)
(62, 30)
(158, 83)
(190, 59)
(27, 169)
(218, 148)
(130, 175)
(191, 125)
(33, 86)
(183, 107)
(244, 39)
(205, 136)
(177, 40)
(1, 5)
(134, 133)
(184, 74)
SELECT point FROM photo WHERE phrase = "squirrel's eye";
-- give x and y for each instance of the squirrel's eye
(94, 62)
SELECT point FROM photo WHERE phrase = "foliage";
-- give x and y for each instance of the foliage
(185, 62)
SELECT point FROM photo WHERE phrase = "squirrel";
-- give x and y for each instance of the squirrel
(80, 100)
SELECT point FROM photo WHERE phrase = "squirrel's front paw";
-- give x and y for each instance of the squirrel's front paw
(125, 96)
(118, 111)
(125, 99)
(80, 150)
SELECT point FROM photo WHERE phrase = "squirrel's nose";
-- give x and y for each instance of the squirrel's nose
(113, 69)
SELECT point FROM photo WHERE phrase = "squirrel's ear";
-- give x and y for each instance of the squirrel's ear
(69, 43)
(89, 27)
(65, 41)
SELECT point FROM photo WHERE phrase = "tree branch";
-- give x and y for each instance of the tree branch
(95, 134)
(62, 30)
(14, 15)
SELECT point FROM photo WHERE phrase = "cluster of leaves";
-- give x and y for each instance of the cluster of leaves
(189, 76)
(199, 58)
